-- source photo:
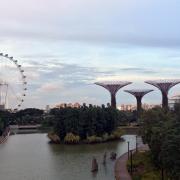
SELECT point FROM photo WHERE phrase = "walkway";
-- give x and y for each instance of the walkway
(120, 170)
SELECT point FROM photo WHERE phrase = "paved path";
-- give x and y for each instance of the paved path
(120, 170)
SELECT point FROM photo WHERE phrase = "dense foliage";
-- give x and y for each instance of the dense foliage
(87, 122)
(28, 116)
(143, 167)
(161, 130)
(22, 117)
(5, 118)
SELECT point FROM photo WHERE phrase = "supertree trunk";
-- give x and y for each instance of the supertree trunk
(113, 100)
(139, 106)
(165, 100)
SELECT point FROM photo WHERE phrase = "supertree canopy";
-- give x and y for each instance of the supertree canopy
(113, 87)
(139, 93)
(164, 86)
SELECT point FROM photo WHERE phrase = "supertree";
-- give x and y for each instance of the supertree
(139, 94)
(164, 86)
(113, 87)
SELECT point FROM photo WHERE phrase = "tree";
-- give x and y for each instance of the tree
(161, 130)
(86, 121)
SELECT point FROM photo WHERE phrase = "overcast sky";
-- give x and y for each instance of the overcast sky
(66, 45)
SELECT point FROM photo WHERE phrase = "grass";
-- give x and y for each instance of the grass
(143, 168)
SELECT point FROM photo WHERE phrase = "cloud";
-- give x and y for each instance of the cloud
(133, 22)
(61, 82)
(50, 88)
(65, 46)
(75, 75)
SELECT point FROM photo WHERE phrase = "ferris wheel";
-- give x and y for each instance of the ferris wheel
(13, 84)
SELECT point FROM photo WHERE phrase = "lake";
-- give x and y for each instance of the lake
(31, 157)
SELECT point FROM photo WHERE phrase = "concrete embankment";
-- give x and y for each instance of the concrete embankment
(5, 136)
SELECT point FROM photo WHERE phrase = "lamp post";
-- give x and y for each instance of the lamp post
(131, 162)
(136, 144)
(128, 150)
(162, 173)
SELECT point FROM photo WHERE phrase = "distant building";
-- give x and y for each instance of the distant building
(2, 107)
(77, 105)
(47, 109)
(132, 107)
(127, 107)
(173, 100)
(150, 106)
(63, 105)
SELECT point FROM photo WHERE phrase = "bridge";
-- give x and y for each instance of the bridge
(18, 129)
(130, 130)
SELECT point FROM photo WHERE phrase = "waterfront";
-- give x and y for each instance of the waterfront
(31, 157)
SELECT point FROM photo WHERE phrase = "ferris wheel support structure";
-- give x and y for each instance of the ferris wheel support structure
(7, 87)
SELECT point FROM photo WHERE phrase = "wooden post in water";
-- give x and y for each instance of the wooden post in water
(104, 158)
(94, 165)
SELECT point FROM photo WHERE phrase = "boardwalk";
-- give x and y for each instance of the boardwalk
(120, 170)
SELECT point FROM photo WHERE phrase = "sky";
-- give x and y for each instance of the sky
(65, 46)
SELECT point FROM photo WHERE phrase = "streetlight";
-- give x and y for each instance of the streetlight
(136, 144)
(131, 162)
(128, 150)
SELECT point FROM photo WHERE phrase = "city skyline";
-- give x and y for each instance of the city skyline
(66, 46)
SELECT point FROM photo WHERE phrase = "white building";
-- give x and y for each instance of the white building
(173, 100)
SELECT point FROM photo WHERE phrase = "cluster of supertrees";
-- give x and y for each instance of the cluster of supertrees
(163, 85)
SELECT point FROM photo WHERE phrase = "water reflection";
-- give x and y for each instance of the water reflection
(31, 157)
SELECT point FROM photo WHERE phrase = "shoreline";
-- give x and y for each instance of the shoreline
(5, 136)
(54, 139)
(120, 167)
(81, 142)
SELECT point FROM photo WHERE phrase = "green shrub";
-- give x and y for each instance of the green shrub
(54, 137)
(94, 139)
(143, 168)
(117, 133)
(111, 137)
(151, 176)
(105, 137)
(70, 138)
